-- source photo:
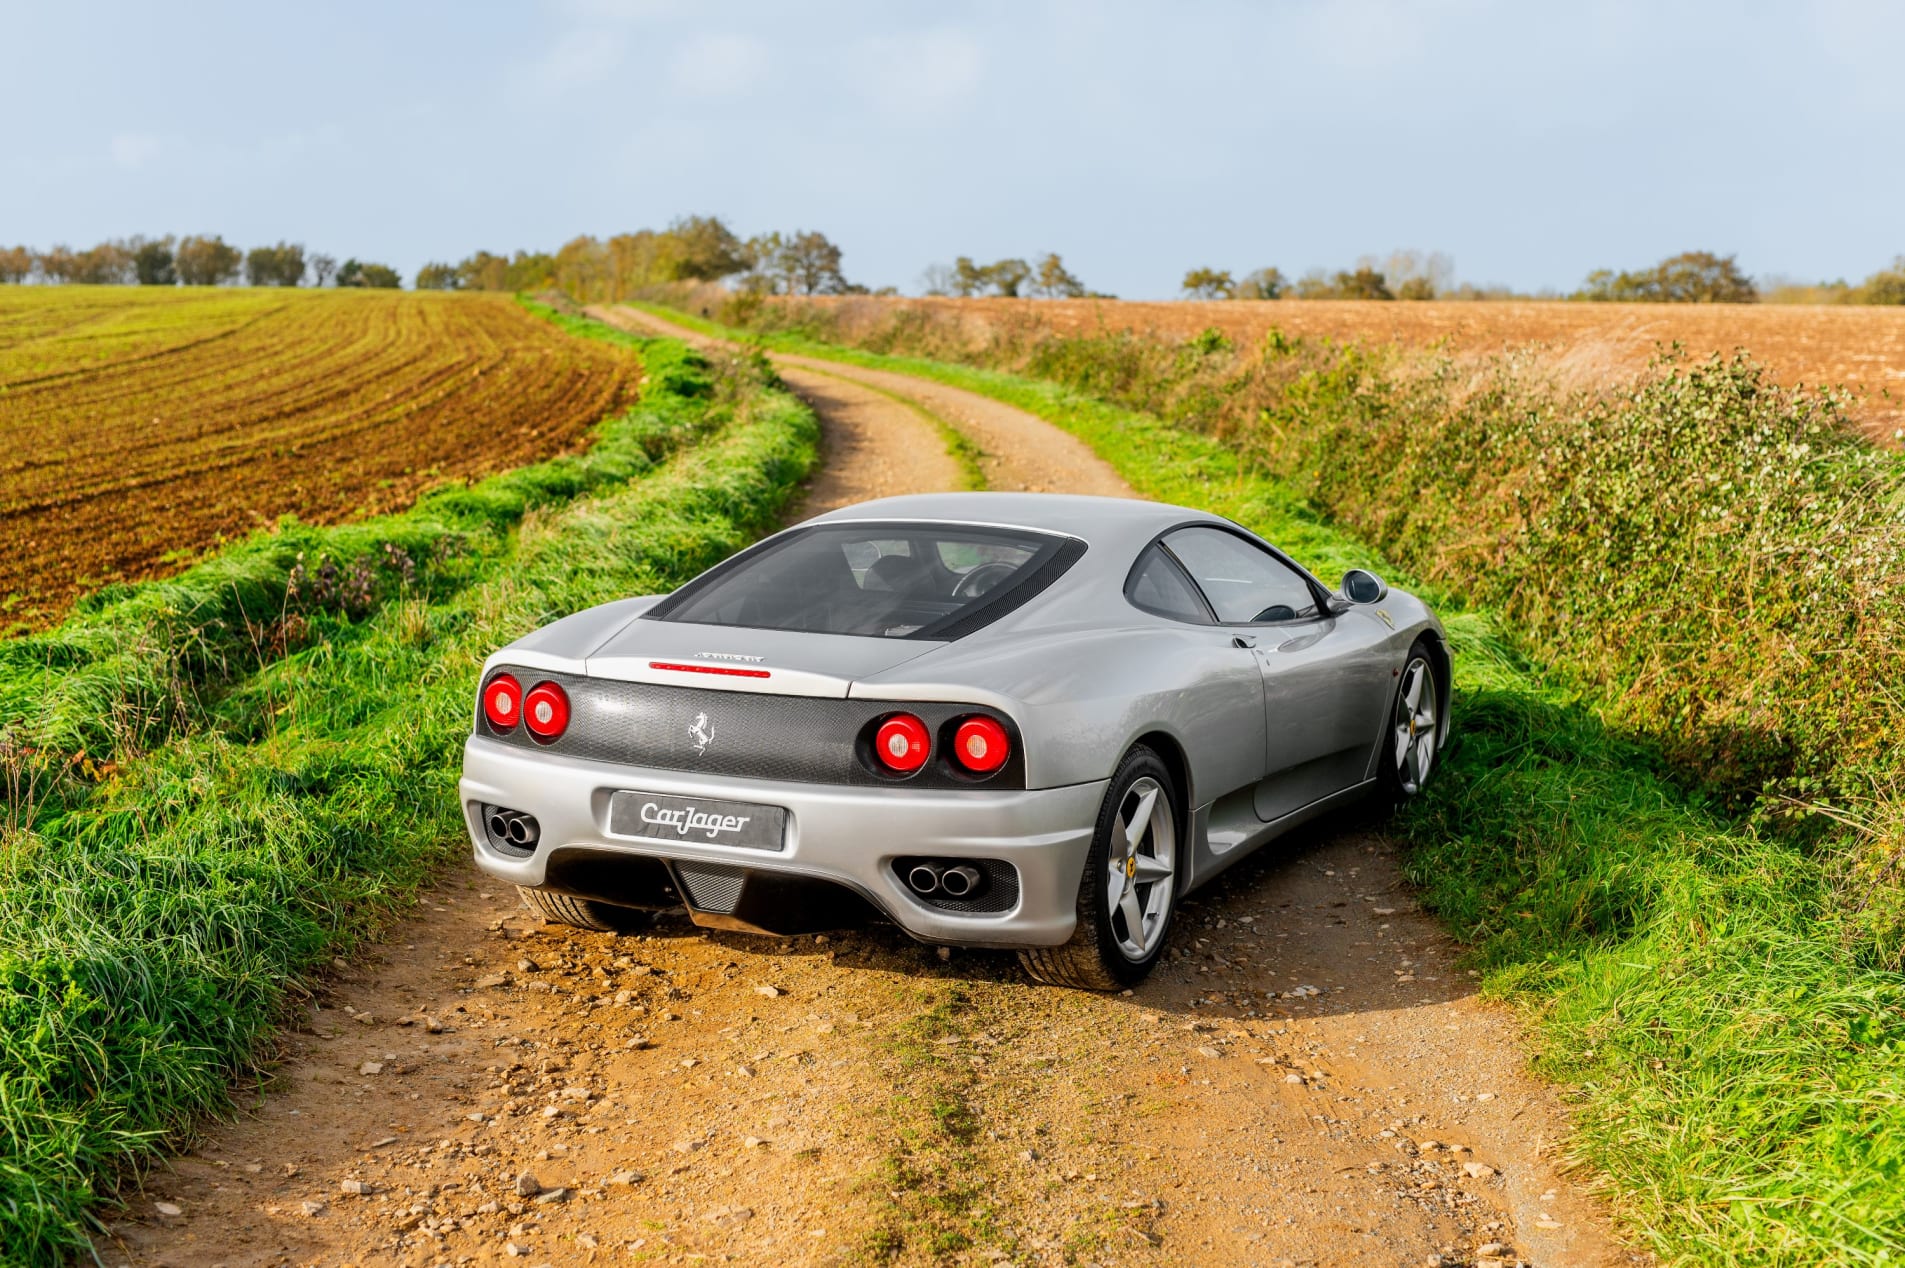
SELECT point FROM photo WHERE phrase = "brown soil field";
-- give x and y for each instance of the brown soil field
(144, 425)
(1860, 348)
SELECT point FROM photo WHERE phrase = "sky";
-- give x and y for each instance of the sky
(1531, 140)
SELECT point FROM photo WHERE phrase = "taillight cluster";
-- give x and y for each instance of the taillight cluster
(902, 745)
(543, 709)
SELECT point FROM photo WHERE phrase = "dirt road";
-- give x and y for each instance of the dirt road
(1308, 1079)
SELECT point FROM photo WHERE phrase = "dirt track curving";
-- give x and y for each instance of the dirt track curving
(1309, 1078)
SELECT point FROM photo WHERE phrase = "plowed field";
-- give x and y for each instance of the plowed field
(140, 426)
(1857, 347)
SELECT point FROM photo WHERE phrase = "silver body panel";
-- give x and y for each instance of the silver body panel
(1267, 735)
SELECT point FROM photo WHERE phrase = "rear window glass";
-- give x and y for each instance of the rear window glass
(881, 580)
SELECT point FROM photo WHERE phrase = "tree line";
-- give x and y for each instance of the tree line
(193, 260)
(690, 249)
(1691, 277)
(807, 262)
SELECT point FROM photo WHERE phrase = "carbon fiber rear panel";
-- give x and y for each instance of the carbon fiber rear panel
(803, 739)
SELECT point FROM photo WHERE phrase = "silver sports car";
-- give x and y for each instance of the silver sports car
(994, 719)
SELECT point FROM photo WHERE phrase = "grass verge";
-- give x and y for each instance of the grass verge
(1739, 1067)
(154, 932)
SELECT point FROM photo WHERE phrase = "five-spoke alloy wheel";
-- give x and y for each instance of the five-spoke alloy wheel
(1416, 725)
(1130, 886)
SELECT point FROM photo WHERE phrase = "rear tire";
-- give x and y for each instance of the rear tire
(583, 913)
(1128, 894)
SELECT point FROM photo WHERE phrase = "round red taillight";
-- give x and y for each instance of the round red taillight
(902, 743)
(503, 702)
(546, 711)
(981, 745)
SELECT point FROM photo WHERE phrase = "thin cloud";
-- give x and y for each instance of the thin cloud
(718, 66)
(134, 150)
(924, 73)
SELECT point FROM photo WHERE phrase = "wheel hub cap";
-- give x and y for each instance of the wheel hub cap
(1142, 872)
(1415, 726)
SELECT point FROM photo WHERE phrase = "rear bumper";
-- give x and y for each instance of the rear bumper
(836, 836)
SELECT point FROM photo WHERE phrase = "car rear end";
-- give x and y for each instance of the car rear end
(751, 775)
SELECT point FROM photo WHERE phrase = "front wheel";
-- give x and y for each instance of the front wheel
(1417, 725)
(1129, 890)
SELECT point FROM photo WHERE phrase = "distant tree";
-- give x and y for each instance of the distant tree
(438, 277)
(640, 259)
(1054, 281)
(207, 261)
(811, 264)
(529, 271)
(322, 267)
(968, 279)
(1692, 277)
(152, 261)
(1008, 276)
(362, 273)
(1364, 283)
(108, 264)
(1887, 286)
(1209, 284)
(16, 264)
(57, 263)
(482, 271)
(1701, 277)
(1415, 274)
(936, 280)
(1262, 284)
(706, 249)
(282, 265)
(582, 269)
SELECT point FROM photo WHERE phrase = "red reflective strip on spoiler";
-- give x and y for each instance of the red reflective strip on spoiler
(710, 669)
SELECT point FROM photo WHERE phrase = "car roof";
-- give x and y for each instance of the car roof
(1089, 518)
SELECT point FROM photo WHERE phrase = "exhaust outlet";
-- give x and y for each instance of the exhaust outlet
(498, 825)
(924, 879)
(524, 831)
(960, 881)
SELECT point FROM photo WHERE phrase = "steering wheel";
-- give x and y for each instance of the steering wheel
(979, 581)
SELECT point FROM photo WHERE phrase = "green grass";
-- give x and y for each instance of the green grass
(156, 922)
(935, 1197)
(1739, 1067)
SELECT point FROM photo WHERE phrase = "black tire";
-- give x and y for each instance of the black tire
(582, 912)
(1401, 779)
(1099, 955)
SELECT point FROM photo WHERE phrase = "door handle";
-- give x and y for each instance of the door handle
(1243, 640)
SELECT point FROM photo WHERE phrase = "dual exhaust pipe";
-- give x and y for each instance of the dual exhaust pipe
(512, 827)
(956, 880)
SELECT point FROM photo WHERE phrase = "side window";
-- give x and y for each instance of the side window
(1244, 583)
(1158, 585)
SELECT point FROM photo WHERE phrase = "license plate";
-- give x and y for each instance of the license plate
(697, 820)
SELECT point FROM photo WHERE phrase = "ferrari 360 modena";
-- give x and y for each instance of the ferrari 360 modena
(1024, 721)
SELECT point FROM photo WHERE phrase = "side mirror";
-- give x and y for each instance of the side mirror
(1362, 586)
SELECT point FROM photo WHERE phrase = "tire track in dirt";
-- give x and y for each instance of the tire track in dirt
(1308, 1078)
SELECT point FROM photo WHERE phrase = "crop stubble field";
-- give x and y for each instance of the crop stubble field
(142, 426)
(1861, 348)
